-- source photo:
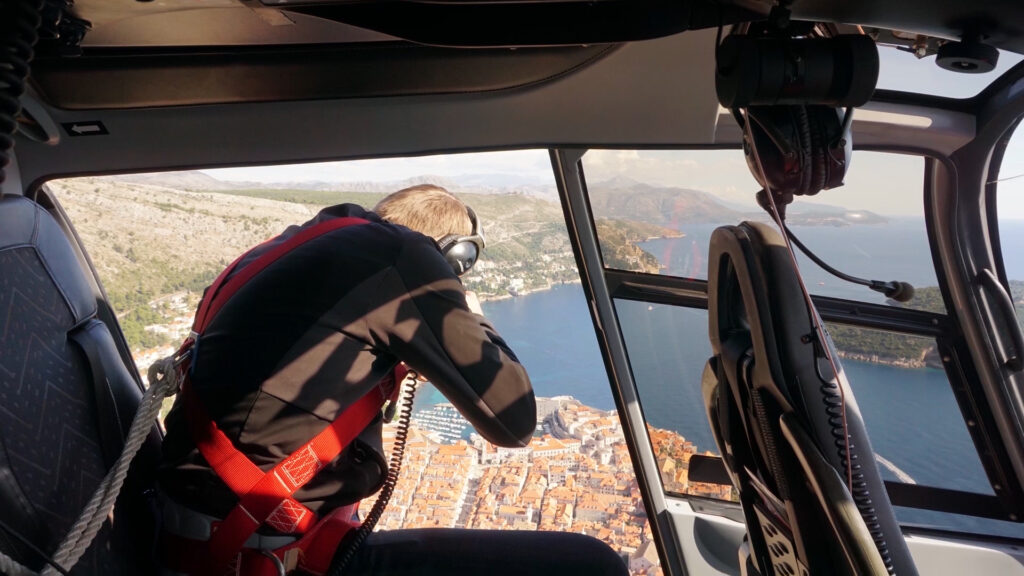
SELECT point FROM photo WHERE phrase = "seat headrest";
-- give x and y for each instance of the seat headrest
(25, 224)
(754, 288)
(756, 307)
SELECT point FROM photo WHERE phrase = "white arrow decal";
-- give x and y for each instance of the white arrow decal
(84, 128)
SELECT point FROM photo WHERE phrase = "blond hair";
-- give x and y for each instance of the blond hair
(427, 209)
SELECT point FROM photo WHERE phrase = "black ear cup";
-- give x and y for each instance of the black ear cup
(803, 149)
(808, 155)
(782, 147)
(462, 252)
(819, 136)
(461, 256)
(831, 145)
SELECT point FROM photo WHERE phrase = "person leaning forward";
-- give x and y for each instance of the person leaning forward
(322, 326)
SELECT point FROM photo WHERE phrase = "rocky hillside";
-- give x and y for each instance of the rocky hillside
(156, 246)
(158, 239)
(664, 206)
(149, 242)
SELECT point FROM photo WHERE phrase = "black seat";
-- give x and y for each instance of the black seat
(776, 410)
(66, 401)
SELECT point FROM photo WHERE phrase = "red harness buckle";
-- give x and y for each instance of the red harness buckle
(316, 549)
(265, 498)
(313, 553)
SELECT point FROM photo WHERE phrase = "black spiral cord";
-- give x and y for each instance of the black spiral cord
(858, 487)
(342, 560)
(19, 22)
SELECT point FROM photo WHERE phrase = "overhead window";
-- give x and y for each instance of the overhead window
(899, 69)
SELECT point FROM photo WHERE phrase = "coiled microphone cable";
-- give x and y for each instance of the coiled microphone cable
(408, 394)
(19, 24)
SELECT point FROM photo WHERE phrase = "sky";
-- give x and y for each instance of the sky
(887, 184)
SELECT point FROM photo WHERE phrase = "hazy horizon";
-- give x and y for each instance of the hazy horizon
(720, 173)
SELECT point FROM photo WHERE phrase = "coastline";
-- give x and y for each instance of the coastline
(506, 296)
(674, 236)
(907, 363)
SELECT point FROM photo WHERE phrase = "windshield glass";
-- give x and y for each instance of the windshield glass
(157, 240)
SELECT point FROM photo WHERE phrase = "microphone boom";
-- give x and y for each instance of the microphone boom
(897, 290)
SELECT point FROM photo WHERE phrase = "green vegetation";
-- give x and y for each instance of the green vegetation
(133, 325)
(884, 347)
(902, 349)
(619, 247)
(134, 295)
(890, 347)
(154, 246)
(928, 299)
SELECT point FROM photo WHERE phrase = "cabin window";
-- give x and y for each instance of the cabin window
(908, 408)
(158, 239)
(667, 348)
(872, 227)
(669, 202)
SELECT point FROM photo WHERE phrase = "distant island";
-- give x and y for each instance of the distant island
(812, 217)
(891, 348)
(880, 347)
(673, 207)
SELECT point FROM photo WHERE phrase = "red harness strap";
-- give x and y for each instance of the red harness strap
(268, 500)
(265, 498)
(313, 553)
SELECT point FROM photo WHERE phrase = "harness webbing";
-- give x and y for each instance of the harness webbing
(265, 497)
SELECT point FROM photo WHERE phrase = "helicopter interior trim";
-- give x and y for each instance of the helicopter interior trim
(173, 85)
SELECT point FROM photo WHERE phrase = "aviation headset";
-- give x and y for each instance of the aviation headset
(804, 149)
(462, 252)
(794, 86)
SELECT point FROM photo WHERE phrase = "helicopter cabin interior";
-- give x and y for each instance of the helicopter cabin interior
(761, 259)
